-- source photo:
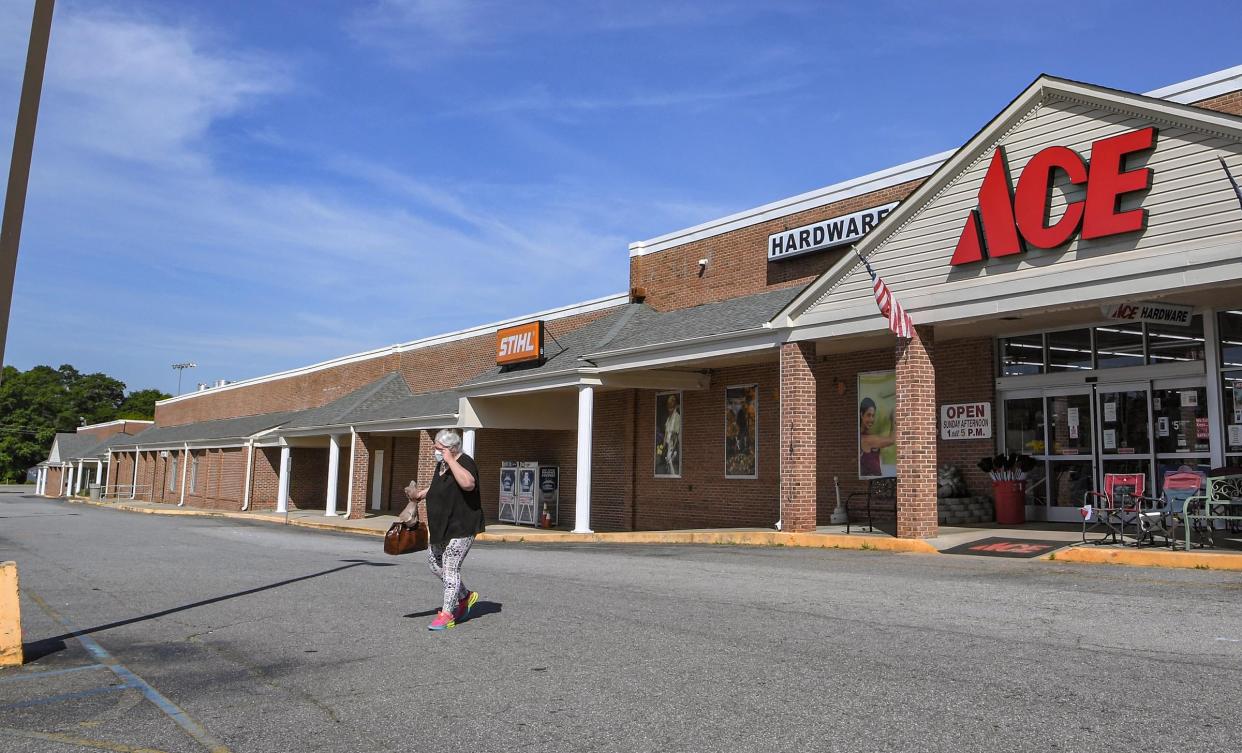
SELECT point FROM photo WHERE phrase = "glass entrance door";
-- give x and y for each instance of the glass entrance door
(1125, 436)
(1070, 453)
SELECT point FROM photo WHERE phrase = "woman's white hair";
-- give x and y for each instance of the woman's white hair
(450, 439)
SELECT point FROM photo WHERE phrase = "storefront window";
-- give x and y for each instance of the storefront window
(1070, 480)
(1070, 426)
(1024, 425)
(1022, 355)
(1131, 465)
(1069, 350)
(1168, 343)
(1123, 423)
(1181, 419)
(1231, 398)
(1119, 346)
(1229, 327)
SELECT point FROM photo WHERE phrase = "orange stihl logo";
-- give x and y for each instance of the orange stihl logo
(521, 343)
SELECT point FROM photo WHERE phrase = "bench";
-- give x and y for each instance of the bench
(878, 489)
(1221, 500)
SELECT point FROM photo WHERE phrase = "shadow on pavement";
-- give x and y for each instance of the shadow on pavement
(216, 600)
(481, 608)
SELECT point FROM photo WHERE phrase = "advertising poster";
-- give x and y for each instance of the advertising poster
(508, 491)
(877, 435)
(668, 435)
(741, 431)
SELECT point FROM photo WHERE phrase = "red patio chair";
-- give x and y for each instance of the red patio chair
(1112, 509)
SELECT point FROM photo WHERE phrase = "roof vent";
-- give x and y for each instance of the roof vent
(220, 383)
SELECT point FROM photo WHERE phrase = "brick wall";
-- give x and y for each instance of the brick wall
(265, 479)
(54, 481)
(965, 372)
(798, 448)
(738, 260)
(425, 369)
(308, 478)
(1230, 103)
(546, 447)
(221, 479)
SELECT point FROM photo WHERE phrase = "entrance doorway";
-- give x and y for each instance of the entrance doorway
(1078, 434)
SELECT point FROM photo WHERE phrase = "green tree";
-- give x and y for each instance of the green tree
(36, 404)
(140, 404)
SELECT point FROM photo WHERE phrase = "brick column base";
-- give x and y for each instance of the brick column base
(916, 436)
(797, 437)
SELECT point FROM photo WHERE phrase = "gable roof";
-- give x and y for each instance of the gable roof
(846, 285)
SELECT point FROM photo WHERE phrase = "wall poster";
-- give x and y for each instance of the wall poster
(741, 431)
(877, 435)
(668, 435)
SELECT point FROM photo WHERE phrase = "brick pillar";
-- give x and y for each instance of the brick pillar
(797, 437)
(360, 480)
(916, 436)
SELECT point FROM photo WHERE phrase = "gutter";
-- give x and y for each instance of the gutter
(689, 342)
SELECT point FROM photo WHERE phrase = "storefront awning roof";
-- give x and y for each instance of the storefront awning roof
(236, 429)
(386, 399)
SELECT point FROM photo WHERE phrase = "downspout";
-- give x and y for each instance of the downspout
(349, 488)
(185, 466)
(249, 472)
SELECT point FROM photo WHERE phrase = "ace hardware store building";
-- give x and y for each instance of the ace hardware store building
(1073, 273)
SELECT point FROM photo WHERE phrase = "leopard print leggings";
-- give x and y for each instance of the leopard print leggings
(445, 562)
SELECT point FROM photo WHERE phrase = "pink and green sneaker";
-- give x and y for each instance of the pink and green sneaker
(443, 621)
(464, 605)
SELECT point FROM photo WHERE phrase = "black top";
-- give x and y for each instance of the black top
(451, 512)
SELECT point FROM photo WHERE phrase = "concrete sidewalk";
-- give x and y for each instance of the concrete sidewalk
(825, 537)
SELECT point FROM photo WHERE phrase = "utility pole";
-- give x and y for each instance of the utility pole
(19, 169)
(180, 367)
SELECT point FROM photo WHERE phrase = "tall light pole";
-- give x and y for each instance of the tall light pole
(19, 169)
(180, 367)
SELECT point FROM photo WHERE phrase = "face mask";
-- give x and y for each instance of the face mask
(439, 456)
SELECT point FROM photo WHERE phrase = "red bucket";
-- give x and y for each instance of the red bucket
(1010, 499)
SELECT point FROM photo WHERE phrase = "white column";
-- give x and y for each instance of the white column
(582, 495)
(39, 481)
(133, 493)
(467, 442)
(334, 472)
(68, 474)
(99, 474)
(249, 475)
(108, 475)
(185, 466)
(282, 494)
(77, 479)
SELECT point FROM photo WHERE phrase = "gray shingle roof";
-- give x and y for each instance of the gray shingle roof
(563, 354)
(650, 327)
(222, 429)
(387, 398)
(637, 325)
(73, 446)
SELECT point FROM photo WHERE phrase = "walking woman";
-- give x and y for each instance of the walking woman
(454, 518)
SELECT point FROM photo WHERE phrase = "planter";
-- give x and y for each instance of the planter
(1010, 499)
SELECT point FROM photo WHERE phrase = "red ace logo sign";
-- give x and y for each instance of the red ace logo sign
(1006, 221)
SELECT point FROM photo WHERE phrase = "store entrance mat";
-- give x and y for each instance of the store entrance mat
(999, 546)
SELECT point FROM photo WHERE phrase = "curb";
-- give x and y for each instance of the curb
(1148, 558)
(1073, 555)
(735, 538)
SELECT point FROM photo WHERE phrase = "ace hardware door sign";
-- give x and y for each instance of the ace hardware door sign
(1008, 220)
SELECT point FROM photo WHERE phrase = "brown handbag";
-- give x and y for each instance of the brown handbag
(403, 539)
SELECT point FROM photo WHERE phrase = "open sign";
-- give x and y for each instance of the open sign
(966, 421)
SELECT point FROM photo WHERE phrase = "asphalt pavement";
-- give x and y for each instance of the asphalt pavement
(189, 634)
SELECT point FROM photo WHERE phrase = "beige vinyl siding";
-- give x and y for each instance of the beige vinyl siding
(1191, 206)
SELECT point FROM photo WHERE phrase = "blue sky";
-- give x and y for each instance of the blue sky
(259, 185)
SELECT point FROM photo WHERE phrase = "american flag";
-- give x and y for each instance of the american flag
(898, 320)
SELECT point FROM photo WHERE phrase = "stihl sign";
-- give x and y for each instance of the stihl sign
(518, 344)
(1009, 219)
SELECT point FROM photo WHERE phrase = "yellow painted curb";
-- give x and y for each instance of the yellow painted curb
(1149, 558)
(10, 616)
(736, 538)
